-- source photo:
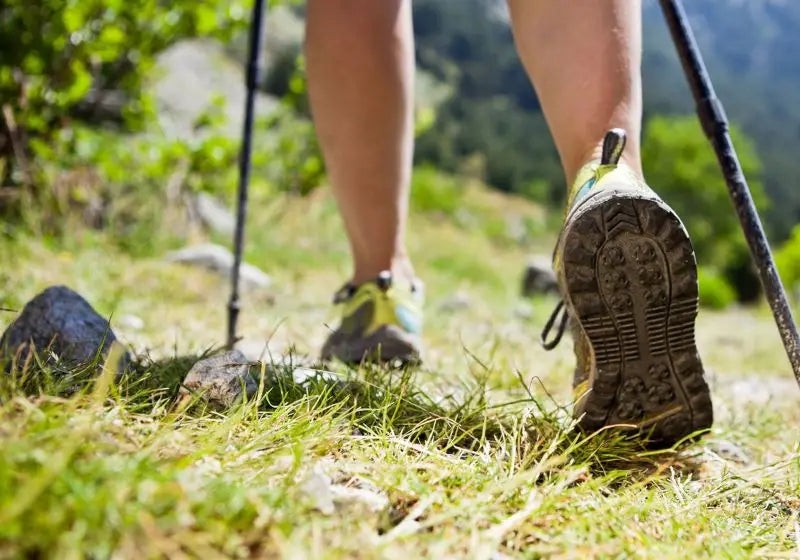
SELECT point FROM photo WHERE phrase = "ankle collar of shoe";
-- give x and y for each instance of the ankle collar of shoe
(384, 281)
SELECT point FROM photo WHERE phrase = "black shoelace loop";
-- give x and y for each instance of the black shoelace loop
(562, 326)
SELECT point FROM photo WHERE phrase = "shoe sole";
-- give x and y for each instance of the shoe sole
(388, 344)
(631, 280)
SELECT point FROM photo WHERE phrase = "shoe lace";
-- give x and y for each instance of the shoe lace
(561, 310)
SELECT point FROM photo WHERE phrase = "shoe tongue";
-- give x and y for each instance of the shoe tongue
(613, 146)
(591, 173)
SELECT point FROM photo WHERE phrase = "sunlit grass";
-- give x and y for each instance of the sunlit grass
(473, 455)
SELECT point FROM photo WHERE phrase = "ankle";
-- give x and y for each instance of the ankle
(400, 266)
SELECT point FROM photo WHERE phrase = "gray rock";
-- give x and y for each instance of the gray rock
(213, 214)
(192, 77)
(128, 321)
(62, 321)
(218, 259)
(760, 390)
(221, 379)
(729, 450)
(524, 311)
(539, 277)
(458, 301)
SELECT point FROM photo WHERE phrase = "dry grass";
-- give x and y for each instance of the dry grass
(472, 456)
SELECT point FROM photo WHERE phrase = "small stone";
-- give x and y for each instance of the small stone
(761, 390)
(131, 322)
(459, 301)
(373, 501)
(327, 497)
(63, 322)
(539, 277)
(729, 450)
(213, 214)
(524, 311)
(316, 487)
(220, 260)
(305, 376)
(220, 380)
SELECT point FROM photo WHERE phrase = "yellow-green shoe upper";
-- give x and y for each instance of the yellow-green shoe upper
(381, 320)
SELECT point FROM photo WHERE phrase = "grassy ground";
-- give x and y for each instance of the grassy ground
(471, 456)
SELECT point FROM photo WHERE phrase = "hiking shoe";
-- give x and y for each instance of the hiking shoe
(381, 322)
(626, 270)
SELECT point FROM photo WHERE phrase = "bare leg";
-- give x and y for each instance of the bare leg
(360, 56)
(584, 58)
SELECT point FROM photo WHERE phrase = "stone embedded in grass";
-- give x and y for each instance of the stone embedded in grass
(219, 259)
(539, 277)
(326, 496)
(62, 323)
(459, 301)
(213, 214)
(230, 378)
(221, 380)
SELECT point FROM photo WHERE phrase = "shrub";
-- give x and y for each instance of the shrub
(433, 191)
(787, 259)
(680, 164)
(715, 291)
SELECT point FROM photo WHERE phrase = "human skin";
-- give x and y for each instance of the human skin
(583, 57)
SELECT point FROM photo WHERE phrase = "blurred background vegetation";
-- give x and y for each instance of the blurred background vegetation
(115, 113)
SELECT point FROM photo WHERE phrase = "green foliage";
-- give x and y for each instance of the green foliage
(787, 258)
(285, 142)
(715, 290)
(750, 49)
(432, 191)
(680, 164)
(493, 111)
(66, 58)
(123, 184)
(67, 61)
(135, 186)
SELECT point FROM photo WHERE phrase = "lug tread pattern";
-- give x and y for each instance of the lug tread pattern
(631, 278)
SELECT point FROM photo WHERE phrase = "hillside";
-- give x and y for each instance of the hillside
(750, 48)
(470, 456)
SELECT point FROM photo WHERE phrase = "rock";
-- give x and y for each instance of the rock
(728, 450)
(524, 311)
(129, 321)
(327, 497)
(316, 487)
(220, 380)
(218, 259)
(62, 321)
(459, 301)
(539, 277)
(194, 76)
(761, 390)
(213, 214)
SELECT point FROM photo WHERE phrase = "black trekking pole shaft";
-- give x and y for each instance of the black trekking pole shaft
(715, 125)
(253, 73)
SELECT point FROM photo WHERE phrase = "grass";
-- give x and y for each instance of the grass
(472, 455)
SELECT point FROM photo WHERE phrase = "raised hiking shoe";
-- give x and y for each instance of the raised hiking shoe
(627, 273)
(381, 322)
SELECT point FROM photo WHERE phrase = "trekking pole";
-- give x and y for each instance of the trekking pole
(253, 75)
(715, 125)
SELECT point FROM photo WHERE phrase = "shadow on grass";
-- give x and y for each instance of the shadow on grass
(376, 400)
